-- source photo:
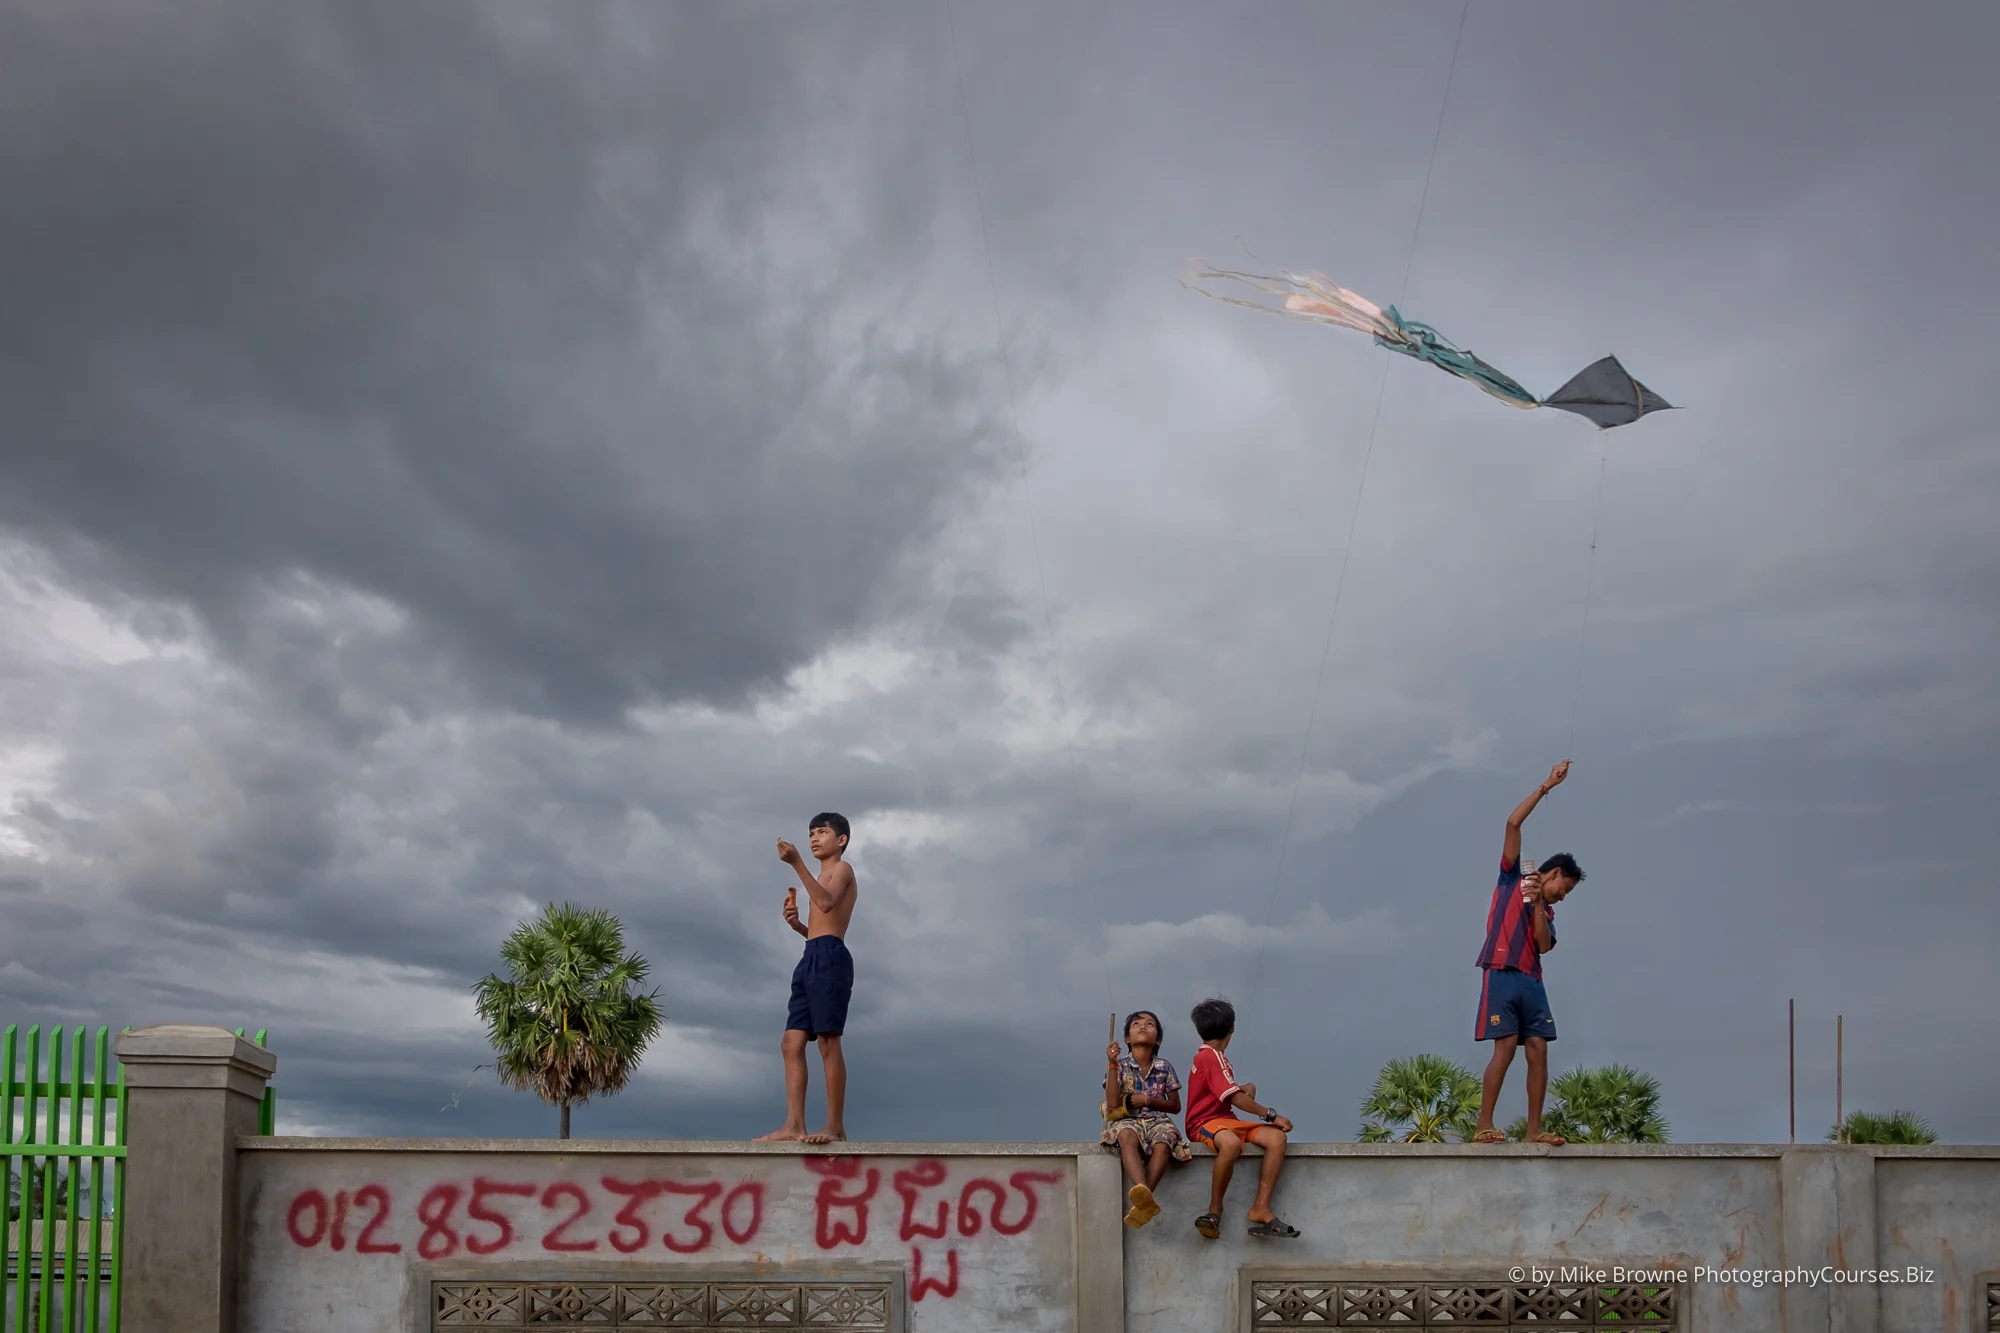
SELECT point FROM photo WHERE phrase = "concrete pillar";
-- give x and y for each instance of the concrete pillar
(191, 1092)
(1829, 1207)
(1100, 1243)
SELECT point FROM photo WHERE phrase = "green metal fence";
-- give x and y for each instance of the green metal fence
(62, 1152)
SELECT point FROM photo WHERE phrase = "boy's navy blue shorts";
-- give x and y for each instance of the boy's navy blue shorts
(821, 985)
(1513, 1004)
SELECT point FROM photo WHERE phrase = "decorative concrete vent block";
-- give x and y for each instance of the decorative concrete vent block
(673, 1302)
(1336, 1302)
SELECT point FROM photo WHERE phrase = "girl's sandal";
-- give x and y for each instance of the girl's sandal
(1209, 1225)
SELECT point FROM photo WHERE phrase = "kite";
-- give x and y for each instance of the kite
(1602, 392)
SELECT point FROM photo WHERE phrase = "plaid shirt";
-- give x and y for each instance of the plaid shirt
(1158, 1081)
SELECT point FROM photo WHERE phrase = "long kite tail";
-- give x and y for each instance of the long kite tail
(1309, 297)
(1426, 344)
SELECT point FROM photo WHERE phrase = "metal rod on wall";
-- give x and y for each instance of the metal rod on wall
(1792, 1062)
(1839, 1076)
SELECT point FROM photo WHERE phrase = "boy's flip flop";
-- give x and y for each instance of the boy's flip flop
(1552, 1140)
(1209, 1225)
(1489, 1136)
(1275, 1227)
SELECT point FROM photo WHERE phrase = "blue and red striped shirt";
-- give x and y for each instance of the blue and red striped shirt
(1510, 927)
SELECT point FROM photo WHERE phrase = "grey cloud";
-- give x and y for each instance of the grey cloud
(460, 309)
(355, 735)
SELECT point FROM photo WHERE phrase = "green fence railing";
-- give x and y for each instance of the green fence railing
(62, 1173)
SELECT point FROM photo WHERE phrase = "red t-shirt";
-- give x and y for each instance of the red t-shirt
(1210, 1084)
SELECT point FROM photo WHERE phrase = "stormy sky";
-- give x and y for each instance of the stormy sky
(460, 456)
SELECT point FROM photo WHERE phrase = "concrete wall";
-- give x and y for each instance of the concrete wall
(343, 1235)
(349, 1234)
(1939, 1212)
(273, 1235)
(1392, 1213)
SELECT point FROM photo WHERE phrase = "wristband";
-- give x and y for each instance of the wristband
(1270, 1116)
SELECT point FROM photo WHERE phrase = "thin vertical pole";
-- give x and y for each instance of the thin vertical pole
(1792, 1061)
(100, 1197)
(24, 1249)
(78, 1064)
(267, 1113)
(1839, 1078)
(118, 1209)
(7, 1040)
(51, 1121)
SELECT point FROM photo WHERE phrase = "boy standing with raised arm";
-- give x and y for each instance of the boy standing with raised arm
(1513, 1007)
(823, 981)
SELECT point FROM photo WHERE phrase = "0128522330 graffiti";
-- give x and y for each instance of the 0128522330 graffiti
(484, 1216)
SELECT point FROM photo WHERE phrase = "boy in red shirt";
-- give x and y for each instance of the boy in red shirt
(1213, 1097)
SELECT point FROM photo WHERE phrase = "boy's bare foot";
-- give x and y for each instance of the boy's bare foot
(785, 1135)
(1256, 1215)
(827, 1135)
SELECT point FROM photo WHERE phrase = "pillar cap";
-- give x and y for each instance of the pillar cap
(190, 1055)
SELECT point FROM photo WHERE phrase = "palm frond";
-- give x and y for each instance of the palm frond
(1420, 1099)
(1896, 1127)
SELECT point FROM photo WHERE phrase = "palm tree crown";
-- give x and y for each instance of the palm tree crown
(1421, 1099)
(1895, 1127)
(568, 1022)
(1609, 1104)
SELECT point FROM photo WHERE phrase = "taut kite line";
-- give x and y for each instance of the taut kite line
(1602, 392)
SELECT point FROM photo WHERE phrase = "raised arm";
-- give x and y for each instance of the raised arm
(1510, 849)
(824, 897)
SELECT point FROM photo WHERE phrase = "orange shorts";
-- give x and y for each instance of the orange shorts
(1242, 1128)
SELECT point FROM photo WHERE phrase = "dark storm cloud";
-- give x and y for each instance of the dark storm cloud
(471, 309)
(400, 395)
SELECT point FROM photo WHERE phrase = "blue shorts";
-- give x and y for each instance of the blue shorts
(821, 985)
(1513, 1004)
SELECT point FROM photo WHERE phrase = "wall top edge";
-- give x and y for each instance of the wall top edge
(737, 1147)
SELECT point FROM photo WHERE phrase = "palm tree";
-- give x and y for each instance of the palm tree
(1421, 1099)
(568, 1023)
(1609, 1104)
(25, 1193)
(1895, 1127)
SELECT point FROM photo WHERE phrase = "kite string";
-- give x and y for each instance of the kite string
(1020, 447)
(1589, 586)
(1353, 521)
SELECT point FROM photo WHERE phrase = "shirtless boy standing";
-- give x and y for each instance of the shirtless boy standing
(823, 980)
